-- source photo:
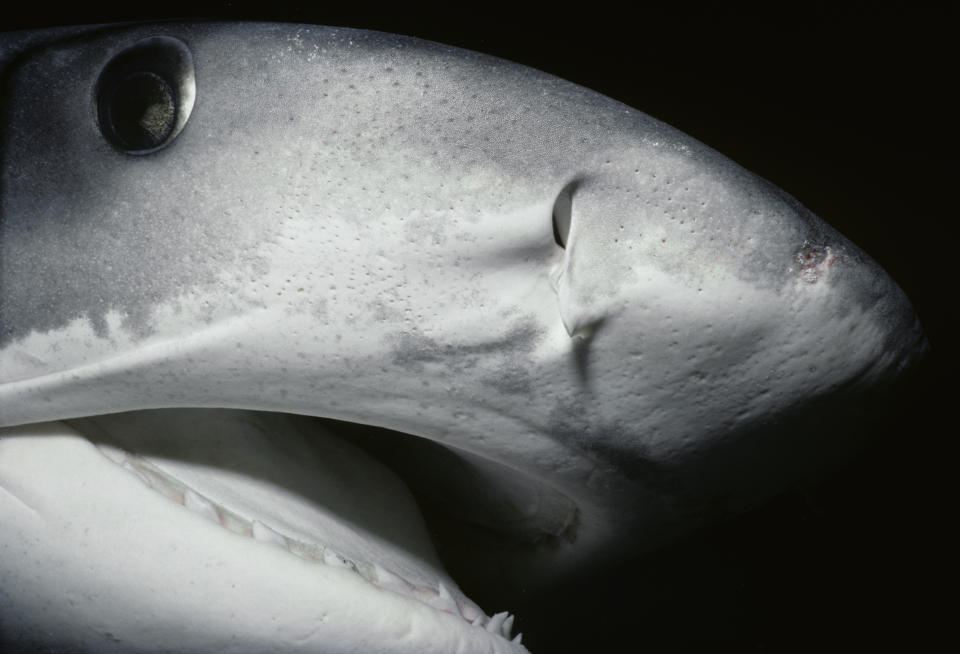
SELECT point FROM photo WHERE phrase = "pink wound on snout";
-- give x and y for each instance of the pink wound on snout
(813, 261)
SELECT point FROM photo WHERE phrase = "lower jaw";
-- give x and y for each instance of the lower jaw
(134, 553)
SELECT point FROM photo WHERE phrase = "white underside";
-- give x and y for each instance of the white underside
(114, 551)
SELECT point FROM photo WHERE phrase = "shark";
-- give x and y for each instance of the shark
(295, 319)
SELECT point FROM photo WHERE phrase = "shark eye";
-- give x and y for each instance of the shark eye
(145, 94)
(562, 214)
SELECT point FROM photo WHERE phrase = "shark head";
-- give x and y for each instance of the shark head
(592, 333)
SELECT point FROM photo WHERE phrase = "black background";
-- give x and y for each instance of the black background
(849, 110)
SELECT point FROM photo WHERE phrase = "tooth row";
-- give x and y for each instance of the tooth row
(439, 598)
(502, 624)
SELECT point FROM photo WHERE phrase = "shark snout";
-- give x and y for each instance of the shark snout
(702, 300)
(880, 322)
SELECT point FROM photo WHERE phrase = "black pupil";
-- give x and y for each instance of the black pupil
(142, 111)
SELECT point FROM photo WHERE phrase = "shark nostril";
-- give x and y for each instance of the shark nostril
(563, 214)
(145, 94)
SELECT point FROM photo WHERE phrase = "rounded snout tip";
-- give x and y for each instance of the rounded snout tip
(900, 342)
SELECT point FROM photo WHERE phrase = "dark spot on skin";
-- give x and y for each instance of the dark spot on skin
(383, 312)
(571, 425)
(411, 350)
(511, 379)
(318, 309)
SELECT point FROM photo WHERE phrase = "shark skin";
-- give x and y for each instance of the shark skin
(586, 306)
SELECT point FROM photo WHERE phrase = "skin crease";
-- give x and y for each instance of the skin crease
(691, 606)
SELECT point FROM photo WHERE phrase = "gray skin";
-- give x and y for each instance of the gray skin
(615, 333)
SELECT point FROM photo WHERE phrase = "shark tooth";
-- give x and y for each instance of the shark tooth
(155, 479)
(129, 467)
(235, 523)
(390, 581)
(337, 560)
(115, 454)
(444, 601)
(470, 611)
(200, 505)
(265, 534)
(506, 627)
(496, 622)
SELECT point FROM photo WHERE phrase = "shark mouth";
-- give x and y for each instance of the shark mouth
(264, 484)
(315, 552)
